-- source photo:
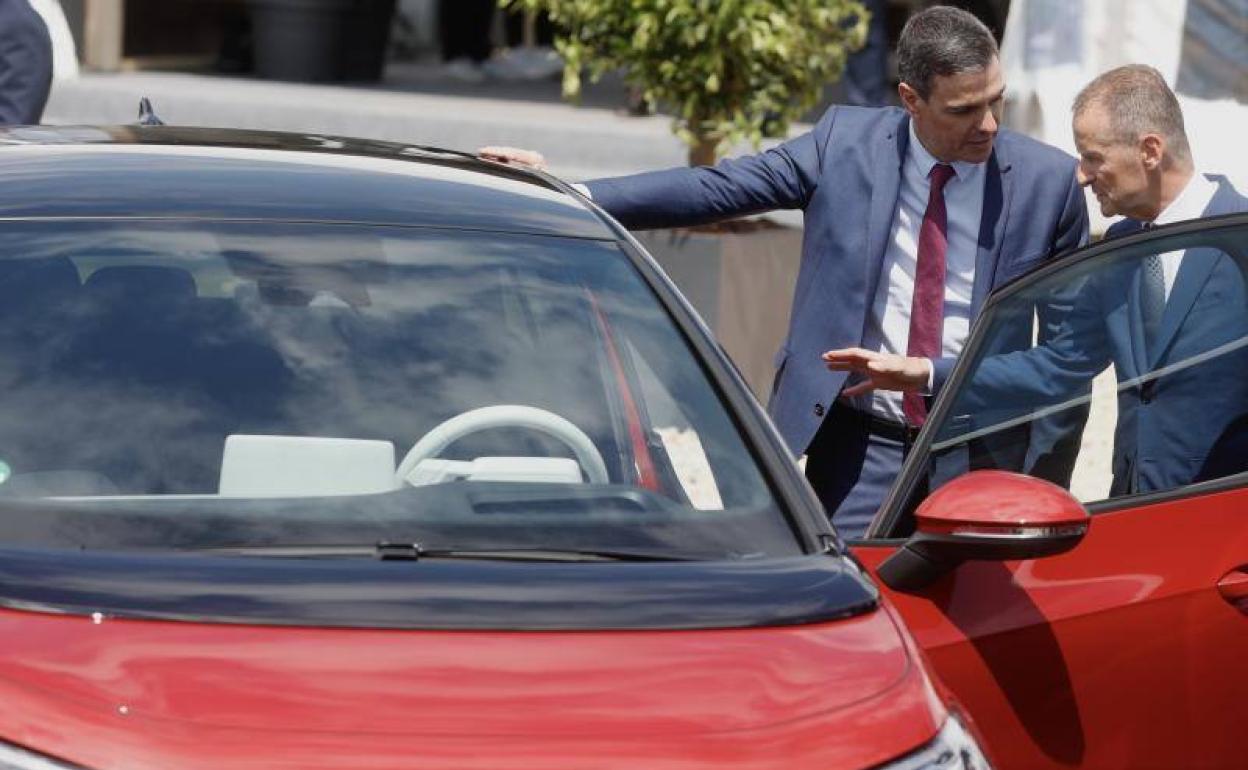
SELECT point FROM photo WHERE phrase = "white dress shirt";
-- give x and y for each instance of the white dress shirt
(1190, 204)
(888, 325)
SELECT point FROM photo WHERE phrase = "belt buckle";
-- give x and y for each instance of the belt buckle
(908, 434)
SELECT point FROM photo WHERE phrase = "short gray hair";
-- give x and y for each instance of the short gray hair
(1138, 102)
(943, 41)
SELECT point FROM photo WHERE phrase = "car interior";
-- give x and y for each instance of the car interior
(239, 372)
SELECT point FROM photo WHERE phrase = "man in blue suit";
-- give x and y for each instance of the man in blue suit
(25, 63)
(927, 207)
(1174, 324)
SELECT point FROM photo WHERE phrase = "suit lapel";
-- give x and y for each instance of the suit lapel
(1194, 272)
(885, 187)
(998, 189)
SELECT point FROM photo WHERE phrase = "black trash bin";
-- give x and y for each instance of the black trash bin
(321, 40)
(298, 39)
(367, 39)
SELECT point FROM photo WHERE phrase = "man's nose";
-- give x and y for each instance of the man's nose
(1082, 177)
(989, 123)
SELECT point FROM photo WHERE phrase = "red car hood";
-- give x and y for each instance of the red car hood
(133, 694)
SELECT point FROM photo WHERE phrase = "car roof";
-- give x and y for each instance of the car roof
(211, 173)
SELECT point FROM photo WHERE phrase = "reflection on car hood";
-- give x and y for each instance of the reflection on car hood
(141, 694)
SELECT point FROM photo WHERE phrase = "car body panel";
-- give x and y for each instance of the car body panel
(170, 174)
(140, 694)
(362, 591)
(1119, 653)
(85, 686)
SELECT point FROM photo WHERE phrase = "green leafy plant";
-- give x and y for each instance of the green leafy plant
(729, 70)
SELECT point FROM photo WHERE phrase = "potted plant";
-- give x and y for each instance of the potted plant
(727, 70)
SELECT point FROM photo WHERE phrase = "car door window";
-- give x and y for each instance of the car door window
(1122, 373)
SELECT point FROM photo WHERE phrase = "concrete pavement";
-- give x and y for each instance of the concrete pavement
(413, 106)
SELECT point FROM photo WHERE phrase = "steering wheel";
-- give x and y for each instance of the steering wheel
(506, 416)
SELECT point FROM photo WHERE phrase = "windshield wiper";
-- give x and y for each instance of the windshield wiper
(387, 551)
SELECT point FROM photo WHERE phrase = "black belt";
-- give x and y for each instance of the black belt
(877, 425)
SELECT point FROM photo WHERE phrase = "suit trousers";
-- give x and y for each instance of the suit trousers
(851, 468)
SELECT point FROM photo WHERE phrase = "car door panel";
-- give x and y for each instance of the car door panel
(1131, 649)
(1121, 653)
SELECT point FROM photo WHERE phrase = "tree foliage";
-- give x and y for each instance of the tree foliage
(728, 69)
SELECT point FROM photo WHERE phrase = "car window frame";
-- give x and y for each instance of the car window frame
(891, 512)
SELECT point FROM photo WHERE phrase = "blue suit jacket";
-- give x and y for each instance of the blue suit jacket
(845, 175)
(1188, 424)
(25, 63)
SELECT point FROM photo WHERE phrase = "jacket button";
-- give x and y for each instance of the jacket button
(1147, 391)
(818, 410)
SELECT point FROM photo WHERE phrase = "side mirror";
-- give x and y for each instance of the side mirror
(985, 515)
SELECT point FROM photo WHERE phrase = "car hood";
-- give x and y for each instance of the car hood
(110, 693)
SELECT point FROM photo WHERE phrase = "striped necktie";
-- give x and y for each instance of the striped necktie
(1152, 295)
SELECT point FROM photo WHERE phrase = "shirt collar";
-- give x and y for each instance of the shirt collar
(923, 160)
(1191, 202)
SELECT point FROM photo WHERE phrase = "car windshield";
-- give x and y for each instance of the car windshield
(255, 387)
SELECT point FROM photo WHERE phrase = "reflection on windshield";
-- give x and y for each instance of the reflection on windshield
(144, 362)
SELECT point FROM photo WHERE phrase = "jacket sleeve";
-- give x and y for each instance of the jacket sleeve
(784, 177)
(1053, 444)
(25, 65)
(1057, 369)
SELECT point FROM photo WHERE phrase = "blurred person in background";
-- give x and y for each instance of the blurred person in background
(464, 28)
(25, 63)
(469, 29)
(64, 50)
(866, 71)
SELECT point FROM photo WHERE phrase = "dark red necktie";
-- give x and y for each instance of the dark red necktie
(927, 309)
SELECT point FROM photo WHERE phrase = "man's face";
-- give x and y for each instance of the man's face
(1115, 170)
(959, 119)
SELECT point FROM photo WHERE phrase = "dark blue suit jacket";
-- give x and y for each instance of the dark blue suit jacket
(25, 63)
(845, 175)
(1187, 424)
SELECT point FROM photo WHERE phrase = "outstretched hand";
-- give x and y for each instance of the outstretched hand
(514, 156)
(882, 371)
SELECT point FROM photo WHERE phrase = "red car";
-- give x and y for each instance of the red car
(318, 453)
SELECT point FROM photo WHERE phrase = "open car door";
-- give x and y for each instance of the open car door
(1118, 640)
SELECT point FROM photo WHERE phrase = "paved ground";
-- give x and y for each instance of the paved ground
(412, 106)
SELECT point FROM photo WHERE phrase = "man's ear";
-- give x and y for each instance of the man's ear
(1152, 151)
(910, 98)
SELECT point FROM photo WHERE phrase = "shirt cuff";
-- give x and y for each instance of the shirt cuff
(583, 189)
(931, 377)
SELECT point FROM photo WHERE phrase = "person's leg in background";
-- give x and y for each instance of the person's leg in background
(25, 63)
(464, 32)
(866, 72)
